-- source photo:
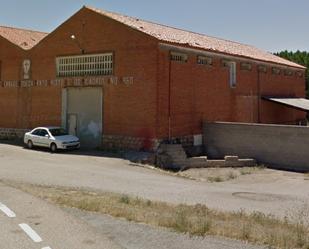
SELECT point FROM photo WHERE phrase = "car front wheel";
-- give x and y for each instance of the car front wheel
(30, 144)
(53, 148)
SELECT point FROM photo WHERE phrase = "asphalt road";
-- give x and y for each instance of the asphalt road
(29, 223)
(277, 193)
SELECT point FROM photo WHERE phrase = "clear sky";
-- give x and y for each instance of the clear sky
(273, 25)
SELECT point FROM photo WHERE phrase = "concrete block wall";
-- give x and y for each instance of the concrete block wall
(277, 146)
(128, 143)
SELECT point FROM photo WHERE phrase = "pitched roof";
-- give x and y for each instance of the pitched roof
(195, 40)
(25, 39)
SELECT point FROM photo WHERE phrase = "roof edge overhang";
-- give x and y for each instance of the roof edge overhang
(95, 10)
(18, 46)
(162, 43)
(13, 44)
(195, 50)
(289, 101)
(58, 27)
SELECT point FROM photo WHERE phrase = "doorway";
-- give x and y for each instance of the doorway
(82, 114)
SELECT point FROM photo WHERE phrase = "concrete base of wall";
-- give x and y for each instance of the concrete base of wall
(129, 143)
(150, 144)
(12, 134)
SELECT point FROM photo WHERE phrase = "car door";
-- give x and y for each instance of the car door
(35, 137)
(44, 138)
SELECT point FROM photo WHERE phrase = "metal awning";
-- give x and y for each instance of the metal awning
(298, 103)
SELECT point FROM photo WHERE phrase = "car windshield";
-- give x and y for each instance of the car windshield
(58, 132)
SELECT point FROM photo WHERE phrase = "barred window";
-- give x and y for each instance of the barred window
(82, 65)
(276, 70)
(246, 66)
(299, 74)
(225, 63)
(179, 57)
(288, 72)
(203, 60)
(262, 68)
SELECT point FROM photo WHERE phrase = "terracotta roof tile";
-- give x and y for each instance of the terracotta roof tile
(25, 39)
(195, 40)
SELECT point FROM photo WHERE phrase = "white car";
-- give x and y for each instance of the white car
(51, 137)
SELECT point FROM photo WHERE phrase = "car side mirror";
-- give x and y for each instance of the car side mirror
(47, 135)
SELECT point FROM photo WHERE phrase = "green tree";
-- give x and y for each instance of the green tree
(300, 57)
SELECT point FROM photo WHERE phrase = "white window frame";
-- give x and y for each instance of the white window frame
(85, 65)
(232, 65)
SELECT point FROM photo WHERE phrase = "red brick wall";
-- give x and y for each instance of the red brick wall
(202, 93)
(10, 101)
(198, 93)
(127, 110)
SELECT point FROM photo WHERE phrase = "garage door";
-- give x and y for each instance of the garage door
(82, 109)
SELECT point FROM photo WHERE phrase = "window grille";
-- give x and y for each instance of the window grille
(276, 70)
(262, 68)
(225, 63)
(203, 60)
(246, 66)
(179, 57)
(300, 74)
(288, 72)
(82, 65)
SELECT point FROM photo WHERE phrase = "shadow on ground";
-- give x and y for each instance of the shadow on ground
(133, 156)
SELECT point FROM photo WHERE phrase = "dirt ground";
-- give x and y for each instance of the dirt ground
(223, 174)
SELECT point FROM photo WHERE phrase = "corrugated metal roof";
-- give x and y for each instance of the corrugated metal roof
(298, 103)
(195, 40)
(25, 39)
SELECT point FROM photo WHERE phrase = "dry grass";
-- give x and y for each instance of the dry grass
(195, 220)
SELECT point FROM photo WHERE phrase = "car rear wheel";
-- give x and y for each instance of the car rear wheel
(29, 144)
(53, 148)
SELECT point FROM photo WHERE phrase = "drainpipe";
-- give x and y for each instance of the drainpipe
(169, 98)
(258, 95)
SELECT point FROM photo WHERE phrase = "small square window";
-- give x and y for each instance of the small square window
(288, 72)
(300, 74)
(262, 68)
(204, 60)
(180, 57)
(225, 63)
(246, 66)
(276, 70)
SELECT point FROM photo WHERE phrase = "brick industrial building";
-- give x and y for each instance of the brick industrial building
(124, 82)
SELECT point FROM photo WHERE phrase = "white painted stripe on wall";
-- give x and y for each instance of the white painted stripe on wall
(30, 232)
(7, 211)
